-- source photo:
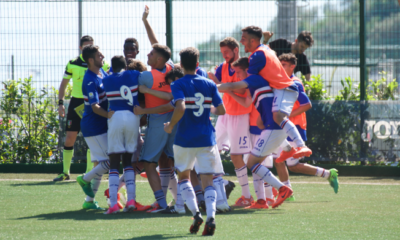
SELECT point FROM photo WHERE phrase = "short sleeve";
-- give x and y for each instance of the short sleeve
(302, 65)
(146, 78)
(68, 72)
(218, 72)
(92, 94)
(255, 81)
(257, 62)
(177, 92)
(216, 98)
(302, 98)
(171, 63)
(201, 72)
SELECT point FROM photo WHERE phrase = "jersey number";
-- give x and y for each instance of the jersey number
(126, 94)
(199, 102)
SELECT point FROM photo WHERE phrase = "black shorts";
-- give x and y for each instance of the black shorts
(73, 123)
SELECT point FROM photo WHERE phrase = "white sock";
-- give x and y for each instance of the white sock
(97, 171)
(121, 181)
(222, 188)
(258, 186)
(113, 179)
(323, 173)
(287, 183)
(165, 174)
(173, 184)
(179, 199)
(188, 196)
(129, 177)
(268, 191)
(286, 146)
(226, 182)
(266, 175)
(210, 195)
(217, 187)
(241, 174)
(292, 132)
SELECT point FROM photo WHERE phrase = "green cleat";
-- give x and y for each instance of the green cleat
(61, 177)
(334, 180)
(92, 205)
(290, 199)
(86, 186)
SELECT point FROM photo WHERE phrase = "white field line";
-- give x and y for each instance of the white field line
(235, 181)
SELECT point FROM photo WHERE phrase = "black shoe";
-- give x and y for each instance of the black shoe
(229, 188)
(172, 210)
(198, 220)
(209, 228)
(61, 177)
(202, 205)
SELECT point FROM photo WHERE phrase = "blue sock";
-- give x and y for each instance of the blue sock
(199, 193)
(160, 197)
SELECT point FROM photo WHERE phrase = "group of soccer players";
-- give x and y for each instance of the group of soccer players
(261, 121)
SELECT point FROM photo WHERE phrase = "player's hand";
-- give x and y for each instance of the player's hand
(143, 89)
(167, 127)
(145, 13)
(110, 114)
(267, 35)
(61, 110)
(137, 110)
(213, 77)
(143, 121)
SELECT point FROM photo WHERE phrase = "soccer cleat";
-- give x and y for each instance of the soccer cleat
(334, 180)
(209, 228)
(172, 203)
(130, 206)
(270, 201)
(259, 204)
(107, 194)
(113, 209)
(284, 192)
(290, 199)
(229, 188)
(202, 205)
(143, 174)
(285, 155)
(141, 208)
(86, 186)
(61, 177)
(173, 210)
(197, 221)
(221, 208)
(92, 205)
(302, 152)
(274, 192)
(243, 202)
(155, 208)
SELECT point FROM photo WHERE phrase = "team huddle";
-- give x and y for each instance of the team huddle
(261, 121)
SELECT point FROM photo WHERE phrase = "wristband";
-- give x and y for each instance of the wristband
(60, 102)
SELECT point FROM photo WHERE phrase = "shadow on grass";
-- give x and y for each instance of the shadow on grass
(159, 236)
(49, 183)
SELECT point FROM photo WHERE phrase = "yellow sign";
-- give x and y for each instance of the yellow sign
(80, 110)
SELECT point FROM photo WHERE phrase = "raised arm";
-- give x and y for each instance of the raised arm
(150, 33)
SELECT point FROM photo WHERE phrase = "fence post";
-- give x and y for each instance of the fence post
(79, 22)
(168, 16)
(12, 68)
(363, 77)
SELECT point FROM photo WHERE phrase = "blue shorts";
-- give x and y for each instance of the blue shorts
(303, 134)
(156, 139)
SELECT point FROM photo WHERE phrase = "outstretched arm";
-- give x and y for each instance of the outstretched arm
(149, 30)
(232, 86)
(163, 95)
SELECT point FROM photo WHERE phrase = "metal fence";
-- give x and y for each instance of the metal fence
(354, 39)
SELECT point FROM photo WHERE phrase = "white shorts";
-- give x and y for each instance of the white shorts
(268, 142)
(123, 132)
(284, 100)
(268, 162)
(290, 162)
(232, 131)
(206, 160)
(98, 147)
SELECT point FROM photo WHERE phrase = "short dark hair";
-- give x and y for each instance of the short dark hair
(89, 51)
(118, 63)
(85, 38)
(242, 62)
(306, 37)
(189, 58)
(134, 64)
(254, 31)
(288, 57)
(163, 50)
(176, 72)
(134, 41)
(229, 42)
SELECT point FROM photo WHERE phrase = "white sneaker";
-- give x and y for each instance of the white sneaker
(223, 207)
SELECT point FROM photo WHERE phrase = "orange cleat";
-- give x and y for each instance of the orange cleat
(154, 207)
(284, 192)
(270, 201)
(285, 155)
(107, 194)
(274, 192)
(259, 204)
(243, 202)
(302, 152)
(141, 208)
(143, 174)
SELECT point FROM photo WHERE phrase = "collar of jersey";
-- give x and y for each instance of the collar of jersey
(80, 55)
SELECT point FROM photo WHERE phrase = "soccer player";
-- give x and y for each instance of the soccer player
(271, 136)
(264, 62)
(298, 47)
(131, 49)
(298, 117)
(122, 89)
(232, 129)
(195, 144)
(75, 69)
(94, 123)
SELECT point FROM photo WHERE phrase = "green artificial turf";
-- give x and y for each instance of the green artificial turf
(364, 208)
